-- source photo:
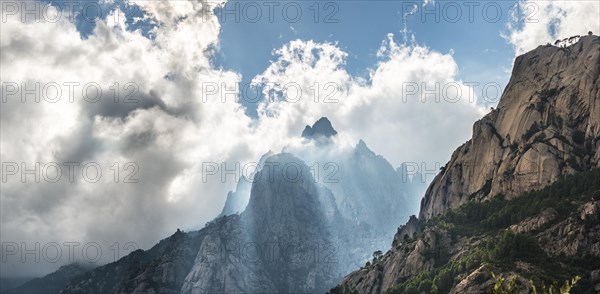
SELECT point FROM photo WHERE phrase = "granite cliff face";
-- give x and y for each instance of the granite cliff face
(478, 215)
(547, 124)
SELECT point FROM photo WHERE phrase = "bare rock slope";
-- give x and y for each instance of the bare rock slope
(547, 124)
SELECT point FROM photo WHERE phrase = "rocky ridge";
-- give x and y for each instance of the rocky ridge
(546, 126)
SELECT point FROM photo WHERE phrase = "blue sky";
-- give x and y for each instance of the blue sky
(481, 53)
(471, 31)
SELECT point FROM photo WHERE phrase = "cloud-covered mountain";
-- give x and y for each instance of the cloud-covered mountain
(363, 184)
(280, 244)
(289, 228)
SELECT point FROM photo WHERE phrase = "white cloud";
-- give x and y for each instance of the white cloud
(175, 126)
(390, 112)
(540, 22)
(168, 133)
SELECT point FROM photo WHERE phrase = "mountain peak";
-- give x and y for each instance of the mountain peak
(321, 128)
(363, 150)
(361, 144)
(544, 127)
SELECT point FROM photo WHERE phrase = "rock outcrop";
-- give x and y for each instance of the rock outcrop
(534, 223)
(321, 129)
(547, 124)
(578, 235)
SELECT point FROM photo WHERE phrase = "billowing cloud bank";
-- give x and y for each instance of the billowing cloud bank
(411, 109)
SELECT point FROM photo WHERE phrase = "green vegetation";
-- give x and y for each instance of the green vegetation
(500, 247)
(500, 287)
(496, 246)
(376, 256)
(508, 246)
(563, 196)
(438, 280)
(339, 289)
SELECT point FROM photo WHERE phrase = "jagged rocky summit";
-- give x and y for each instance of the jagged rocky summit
(322, 128)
